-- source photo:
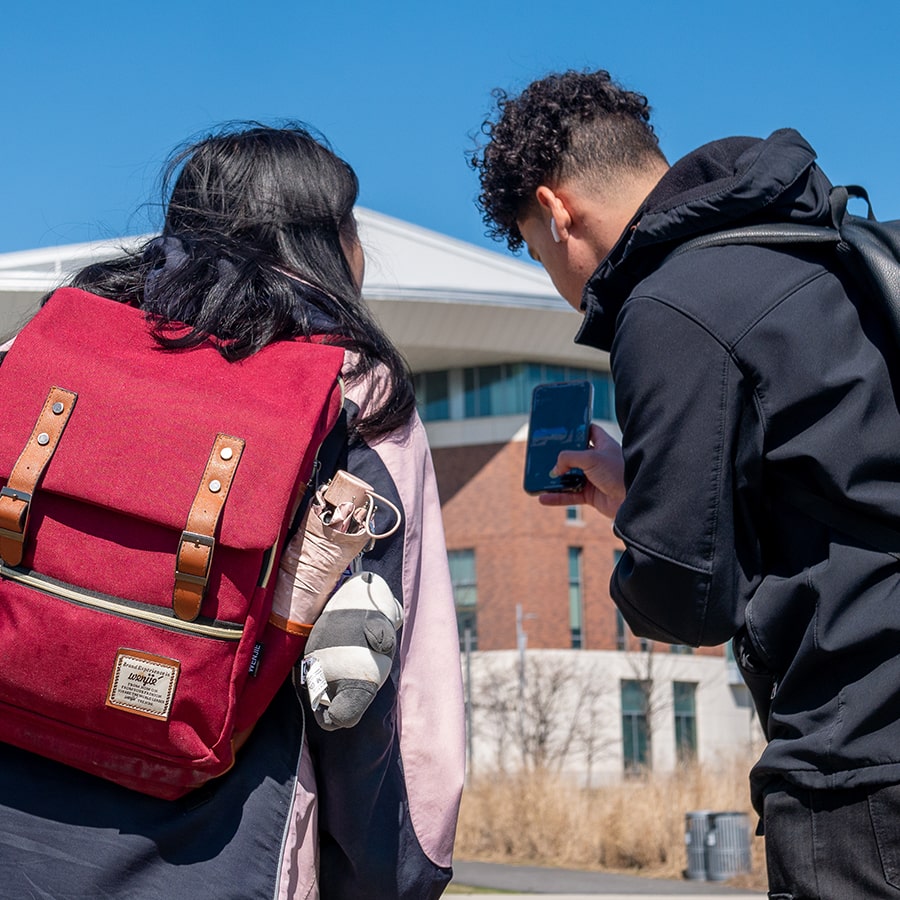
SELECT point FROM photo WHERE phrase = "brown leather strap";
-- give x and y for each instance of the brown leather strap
(297, 628)
(195, 549)
(15, 498)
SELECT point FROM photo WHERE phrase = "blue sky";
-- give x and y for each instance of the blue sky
(95, 95)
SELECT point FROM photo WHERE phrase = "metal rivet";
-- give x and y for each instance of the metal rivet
(58, 408)
(215, 486)
(43, 438)
(226, 453)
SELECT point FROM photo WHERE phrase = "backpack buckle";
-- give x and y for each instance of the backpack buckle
(15, 519)
(190, 555)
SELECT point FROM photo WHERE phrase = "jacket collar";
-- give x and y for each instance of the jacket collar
(734, 181)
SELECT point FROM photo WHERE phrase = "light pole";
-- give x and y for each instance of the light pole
(521, 644)
(469, 747)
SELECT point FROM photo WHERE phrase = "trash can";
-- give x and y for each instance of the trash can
(717, 845)
(727, 845)
(696, 829)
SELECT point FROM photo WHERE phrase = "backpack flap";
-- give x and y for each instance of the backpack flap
(142, 434)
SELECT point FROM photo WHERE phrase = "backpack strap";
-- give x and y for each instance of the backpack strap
(793, 233)
(195, 549)
(778, 233)
(15, 497)
(332, 456)
(840, 196)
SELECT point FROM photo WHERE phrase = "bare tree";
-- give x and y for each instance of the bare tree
(547, 724)
(494, 701)
(546, 709)
(592, 737)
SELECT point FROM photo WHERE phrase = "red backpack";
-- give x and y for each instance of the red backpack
(146, 502)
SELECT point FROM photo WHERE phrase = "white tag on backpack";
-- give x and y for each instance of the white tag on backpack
(316, 683)
(143, 684)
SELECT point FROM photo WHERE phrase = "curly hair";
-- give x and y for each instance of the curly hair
(571, 124)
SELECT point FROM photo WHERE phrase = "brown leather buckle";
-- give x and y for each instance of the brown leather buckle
(21, 516)
(197, 540)
(193, 562)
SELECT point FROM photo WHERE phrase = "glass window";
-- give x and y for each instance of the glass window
(624, 636)
(621, 633)
(557, 373)
(491, 391)
(501, 390)
(635, 733)
(684, 697)
(576, 599)
(470, 386)
(603, 408)
(467, 624)
(433, 395)
(535, 375)
(520, 398)
(462, 575)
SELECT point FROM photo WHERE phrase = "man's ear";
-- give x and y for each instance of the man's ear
(556, 209)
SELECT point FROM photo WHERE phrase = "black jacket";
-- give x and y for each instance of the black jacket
(735, 366)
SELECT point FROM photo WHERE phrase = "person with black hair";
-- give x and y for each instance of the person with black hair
(260, 244)
(737, 369)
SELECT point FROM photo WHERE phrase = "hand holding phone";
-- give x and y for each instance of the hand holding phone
(604, 471)
(560, 420)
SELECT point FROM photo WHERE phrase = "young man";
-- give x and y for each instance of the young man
(737, 369)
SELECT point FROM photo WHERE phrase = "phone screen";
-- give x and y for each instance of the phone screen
(560, 420)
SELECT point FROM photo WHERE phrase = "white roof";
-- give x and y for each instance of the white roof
(444, 302)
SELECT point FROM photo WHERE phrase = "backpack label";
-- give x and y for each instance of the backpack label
(255, 659)
(143, 684)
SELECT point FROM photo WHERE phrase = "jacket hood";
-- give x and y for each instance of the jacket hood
(730, 182)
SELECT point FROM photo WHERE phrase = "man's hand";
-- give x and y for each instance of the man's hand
(603, 468)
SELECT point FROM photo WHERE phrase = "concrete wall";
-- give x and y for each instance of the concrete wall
(572, 708)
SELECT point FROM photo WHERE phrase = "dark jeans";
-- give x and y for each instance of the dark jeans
(832, 845)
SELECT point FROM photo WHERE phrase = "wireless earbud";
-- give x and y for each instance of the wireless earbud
(554, 231)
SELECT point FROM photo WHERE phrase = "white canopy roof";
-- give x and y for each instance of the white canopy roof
(444, 302)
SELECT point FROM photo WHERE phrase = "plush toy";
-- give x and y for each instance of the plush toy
(350, 650)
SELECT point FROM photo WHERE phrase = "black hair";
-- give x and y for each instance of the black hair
(564, 125)
(253, 250)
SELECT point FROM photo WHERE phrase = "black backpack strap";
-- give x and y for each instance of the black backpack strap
(778, 233)
(787, 232)
(333, 452)
(839, 198)
(332, 456)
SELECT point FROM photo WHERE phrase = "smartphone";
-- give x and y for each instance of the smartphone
(560, 420)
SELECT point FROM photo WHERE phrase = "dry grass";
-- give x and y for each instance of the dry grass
(637, 826)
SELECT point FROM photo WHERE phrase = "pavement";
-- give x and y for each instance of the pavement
(524, 882)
